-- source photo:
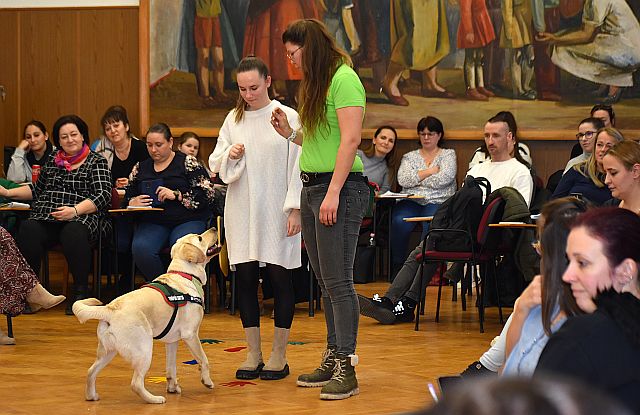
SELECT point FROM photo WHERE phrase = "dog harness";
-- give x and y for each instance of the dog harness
(175, 298)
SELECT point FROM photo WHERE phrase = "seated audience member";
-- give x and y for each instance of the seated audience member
(526, 396)
(605, 114)
(429, 172)
(399, 302)
(69, 199)
(34, 149)
(524, 154)
(601, 348)
(189, 144)
(586, 135)
(379, 158)
(19, 285)
(546, 303)
(622, 167)
(172, 181)
(121, 148)
(122, 151)
(586, 179)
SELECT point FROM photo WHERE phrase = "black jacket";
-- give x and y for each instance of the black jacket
(601, 349)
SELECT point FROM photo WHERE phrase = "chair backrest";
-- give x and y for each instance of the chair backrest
(492, 214)
(8, 152)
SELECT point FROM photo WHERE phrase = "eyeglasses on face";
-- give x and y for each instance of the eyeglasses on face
(585, 136)
(292, 54)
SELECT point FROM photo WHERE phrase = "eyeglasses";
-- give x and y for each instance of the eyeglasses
(586, 136)
(292, 54)
(429, 134)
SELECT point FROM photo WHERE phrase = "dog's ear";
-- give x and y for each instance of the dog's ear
(189, 252)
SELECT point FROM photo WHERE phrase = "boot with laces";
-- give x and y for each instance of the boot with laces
(343, 383)
(378, 308)
(322, 375)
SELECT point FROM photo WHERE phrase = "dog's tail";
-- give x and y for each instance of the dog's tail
(88, 309)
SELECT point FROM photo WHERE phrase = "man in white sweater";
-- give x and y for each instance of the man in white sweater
(503, 170)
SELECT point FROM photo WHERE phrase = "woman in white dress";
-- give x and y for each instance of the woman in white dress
(262, 212)
(604, 50)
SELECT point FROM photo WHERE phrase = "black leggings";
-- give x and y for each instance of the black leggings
(247, 276)
(35, 236)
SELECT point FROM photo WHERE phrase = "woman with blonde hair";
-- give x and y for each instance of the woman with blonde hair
(334, 194)
(622, 167)
(586, 179)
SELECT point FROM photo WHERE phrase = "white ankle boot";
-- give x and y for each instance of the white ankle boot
(277, 366)
(250, 368)
(39, 298)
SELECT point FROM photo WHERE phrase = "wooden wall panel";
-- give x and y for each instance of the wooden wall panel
(9, 126)
(69, 61)
(48, 60)
(108, 64)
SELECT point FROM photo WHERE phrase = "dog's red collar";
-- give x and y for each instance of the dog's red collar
(183, 274)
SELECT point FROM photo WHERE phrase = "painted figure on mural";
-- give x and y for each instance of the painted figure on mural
(474, 33)
(605, 50)
(546, 18)
(516, 39)
(420, 40)
(336, 15)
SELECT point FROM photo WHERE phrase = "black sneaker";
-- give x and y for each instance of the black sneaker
(378, 308)
(476, 369)
(405, 310)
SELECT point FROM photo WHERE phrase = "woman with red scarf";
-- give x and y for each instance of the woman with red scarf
(71, 195)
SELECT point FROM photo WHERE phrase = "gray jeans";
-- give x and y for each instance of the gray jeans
(407, 281)
(332, 251)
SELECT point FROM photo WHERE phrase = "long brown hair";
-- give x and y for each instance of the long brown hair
(558, 216)
(250, 63)
(391, 159)
(320, 60)
(589, 167)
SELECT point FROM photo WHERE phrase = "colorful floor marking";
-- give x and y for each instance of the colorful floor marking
(237, 383)
(235, 349)
(210, 341)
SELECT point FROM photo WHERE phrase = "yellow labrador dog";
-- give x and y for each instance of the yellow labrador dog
(129, 323)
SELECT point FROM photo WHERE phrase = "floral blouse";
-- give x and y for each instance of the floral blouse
(436, 188)
(58, 187)
(185, 174)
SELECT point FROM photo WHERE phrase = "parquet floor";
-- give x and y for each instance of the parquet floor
(45, 372)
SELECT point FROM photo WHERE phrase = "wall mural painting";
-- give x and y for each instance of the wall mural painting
(548, 61)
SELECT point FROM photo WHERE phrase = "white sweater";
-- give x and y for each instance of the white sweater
(264, 185)
(510, 173)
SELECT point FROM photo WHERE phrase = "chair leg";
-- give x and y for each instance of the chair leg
(9, 326)
(480, 294)
(439, 296)
(422, 297)
(492, 264)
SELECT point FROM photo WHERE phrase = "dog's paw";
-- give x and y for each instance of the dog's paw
(157, 399)
(207, 382)
(94, 397)
(174, 388)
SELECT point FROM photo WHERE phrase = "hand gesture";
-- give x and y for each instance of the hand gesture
(329, 210)
(281, 123)
(142, 200)
(24, 145)
(121, 182)
(294, 224)
(470, 37)
(164, 193)
(64, 213)
(236, 152)
(545, 37)
(531, 296)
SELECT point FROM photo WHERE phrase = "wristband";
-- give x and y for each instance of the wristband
(76, 210)
(176, 193)
(293, 135)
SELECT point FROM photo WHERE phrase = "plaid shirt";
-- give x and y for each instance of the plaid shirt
(58, 187)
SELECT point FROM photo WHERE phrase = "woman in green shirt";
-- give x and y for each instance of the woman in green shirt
(334, 194)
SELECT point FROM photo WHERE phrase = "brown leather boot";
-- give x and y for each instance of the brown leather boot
(474, 95)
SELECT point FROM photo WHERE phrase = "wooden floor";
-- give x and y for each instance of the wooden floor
(45, 372)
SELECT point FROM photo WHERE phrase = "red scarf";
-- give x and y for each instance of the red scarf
(66, 161)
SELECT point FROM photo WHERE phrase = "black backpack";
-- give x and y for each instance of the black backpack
(461, 211)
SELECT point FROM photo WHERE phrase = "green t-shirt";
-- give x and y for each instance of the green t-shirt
(7, 184)
(320, 149)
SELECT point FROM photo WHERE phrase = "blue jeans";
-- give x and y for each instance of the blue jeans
(400, 230)
(150, 238)
(332, 251)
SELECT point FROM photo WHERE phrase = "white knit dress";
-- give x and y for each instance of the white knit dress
(264, 185)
